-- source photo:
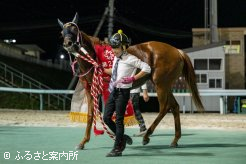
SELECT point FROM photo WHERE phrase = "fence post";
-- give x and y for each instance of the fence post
(12, 78)
(41, 102)
(49, 101)
(183, 100)
(22, 80)
(222, 108)
(64, 103)
(5, 71)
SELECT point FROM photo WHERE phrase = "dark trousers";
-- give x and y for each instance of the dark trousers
(117, 102)
(135, 102)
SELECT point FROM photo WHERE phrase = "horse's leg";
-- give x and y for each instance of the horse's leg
(174, 106)
(89, 123)
(163, 96)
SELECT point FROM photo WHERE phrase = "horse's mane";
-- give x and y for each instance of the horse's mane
(95, 40)
(88, 42)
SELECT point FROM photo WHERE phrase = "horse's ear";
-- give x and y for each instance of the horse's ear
(76, 18)
(60, 23)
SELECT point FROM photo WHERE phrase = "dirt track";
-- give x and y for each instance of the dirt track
(61, 118)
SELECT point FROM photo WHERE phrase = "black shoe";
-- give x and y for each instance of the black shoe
(114, 153)
(123, 144)
(128, 139)
(143, 128)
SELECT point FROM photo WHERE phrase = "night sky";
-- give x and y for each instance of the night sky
(170, 21)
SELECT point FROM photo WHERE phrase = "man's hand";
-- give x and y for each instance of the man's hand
(128, 80)
(145, 95)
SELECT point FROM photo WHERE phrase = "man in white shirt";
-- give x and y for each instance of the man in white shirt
(123, 74)
(135, 95)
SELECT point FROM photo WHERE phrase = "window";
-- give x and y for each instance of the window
(232, 47)
(218, 83)
(215, 64)
(207, 64)
(201, 78)
(201, 64)
(211, 83)
(215, 83)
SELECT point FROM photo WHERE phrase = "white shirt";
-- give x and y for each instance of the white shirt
(138, 90)
(127, 67)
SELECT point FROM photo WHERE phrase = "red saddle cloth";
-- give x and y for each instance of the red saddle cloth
(105, 57)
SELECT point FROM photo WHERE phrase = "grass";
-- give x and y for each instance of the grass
(18, 101)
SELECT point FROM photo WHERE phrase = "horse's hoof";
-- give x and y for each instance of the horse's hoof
(79, 147)
(145, 141)
(173, 145)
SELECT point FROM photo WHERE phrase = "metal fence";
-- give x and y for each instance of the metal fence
(15, 78)
(222, 94)
(40, 92)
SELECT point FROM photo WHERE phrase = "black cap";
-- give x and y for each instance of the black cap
(118, 39)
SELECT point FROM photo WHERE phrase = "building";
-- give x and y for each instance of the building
(10, 50)
(31, 50)
(20, 50)
(209, 65)
(234, 39)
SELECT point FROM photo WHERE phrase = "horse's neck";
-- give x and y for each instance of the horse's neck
(95, 40)
(88, 44)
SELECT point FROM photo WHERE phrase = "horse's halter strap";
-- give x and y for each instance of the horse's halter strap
(74, 72)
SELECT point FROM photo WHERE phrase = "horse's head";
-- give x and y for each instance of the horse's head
(71, 34)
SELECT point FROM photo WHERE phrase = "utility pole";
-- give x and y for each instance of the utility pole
(206, 22)
(99, 26)
(214, 38)
(111, 18)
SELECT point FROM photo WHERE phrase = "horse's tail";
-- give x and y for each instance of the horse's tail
(190, 77)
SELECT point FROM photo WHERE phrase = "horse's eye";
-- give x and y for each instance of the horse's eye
(74, 30)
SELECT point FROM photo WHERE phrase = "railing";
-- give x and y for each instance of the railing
(223, 94)
(41, 92)
(18, 79)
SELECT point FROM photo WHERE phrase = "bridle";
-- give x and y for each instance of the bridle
(75, 47)
(66, 32)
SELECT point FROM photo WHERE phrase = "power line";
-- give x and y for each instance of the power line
(154, 30)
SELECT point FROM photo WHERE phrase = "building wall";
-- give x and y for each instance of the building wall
(234, 63)
(210, 53)
(10, 50)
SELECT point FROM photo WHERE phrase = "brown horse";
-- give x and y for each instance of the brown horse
(167, 64)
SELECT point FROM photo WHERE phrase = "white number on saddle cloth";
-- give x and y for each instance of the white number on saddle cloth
(109, 55)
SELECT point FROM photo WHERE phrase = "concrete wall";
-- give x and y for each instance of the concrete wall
(234, 63)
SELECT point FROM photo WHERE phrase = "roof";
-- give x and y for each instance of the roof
(11, 46)
(30, 47)
(204, 47)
